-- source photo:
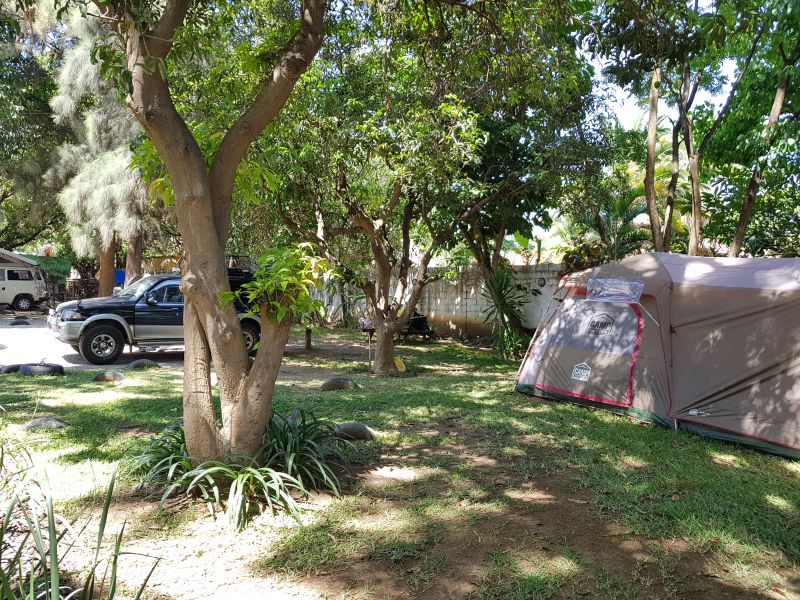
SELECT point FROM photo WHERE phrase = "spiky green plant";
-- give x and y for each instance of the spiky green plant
(295, 458)
(303, 446)
(505, 303)
(38, 576)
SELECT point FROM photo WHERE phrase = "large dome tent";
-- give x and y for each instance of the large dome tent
(707, 344)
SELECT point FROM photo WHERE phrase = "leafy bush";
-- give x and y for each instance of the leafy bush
(283, 283)
(294, 459)
(303, 446)
(506, 298)
(34, 541)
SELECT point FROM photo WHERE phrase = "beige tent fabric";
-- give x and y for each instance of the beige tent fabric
(719, 346)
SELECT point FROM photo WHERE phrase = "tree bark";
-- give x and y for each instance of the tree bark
(672, 188)
(755, 180)
(203, 206)
(133, 261)
(650, 164)
(106, 275)
(384, 350)
(695, 229)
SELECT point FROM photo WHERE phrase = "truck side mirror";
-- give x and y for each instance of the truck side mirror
(150, 298)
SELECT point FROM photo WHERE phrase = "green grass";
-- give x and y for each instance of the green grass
(738, 507)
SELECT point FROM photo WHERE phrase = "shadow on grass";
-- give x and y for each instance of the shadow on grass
(104, 419)
(736, 507)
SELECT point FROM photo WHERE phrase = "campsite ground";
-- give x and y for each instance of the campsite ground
(470, 491)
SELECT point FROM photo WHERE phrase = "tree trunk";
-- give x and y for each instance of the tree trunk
(248, 415)
(345, 305)
(203, 199)
(384, 350)
(672, 188)
(106, 275)
(746, 213)
(650, 164)
(133, 261)
(695, 230)
(755, 179)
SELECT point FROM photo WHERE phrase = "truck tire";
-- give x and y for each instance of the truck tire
(101, 344)
(41, 369)
(252, 334)
(23, 302)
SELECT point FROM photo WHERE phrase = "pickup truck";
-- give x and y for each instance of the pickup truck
(147, 313)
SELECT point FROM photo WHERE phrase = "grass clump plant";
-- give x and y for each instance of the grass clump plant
(296, 457)
(34, 541)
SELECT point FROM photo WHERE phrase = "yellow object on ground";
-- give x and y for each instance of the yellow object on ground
(399, 364)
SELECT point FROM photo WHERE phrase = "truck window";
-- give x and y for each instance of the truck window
(19, 275)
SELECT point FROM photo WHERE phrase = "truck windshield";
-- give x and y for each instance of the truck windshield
(135, 290)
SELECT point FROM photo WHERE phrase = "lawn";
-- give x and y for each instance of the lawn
(470, 491)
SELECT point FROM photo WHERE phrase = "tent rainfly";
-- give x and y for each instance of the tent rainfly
(711, 345)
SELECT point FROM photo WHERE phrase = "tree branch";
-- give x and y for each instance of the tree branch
(724, 110)
(267, 104)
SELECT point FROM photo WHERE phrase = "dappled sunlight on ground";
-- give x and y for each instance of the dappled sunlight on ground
(470, 491)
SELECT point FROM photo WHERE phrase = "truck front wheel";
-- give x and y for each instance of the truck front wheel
(101, 344)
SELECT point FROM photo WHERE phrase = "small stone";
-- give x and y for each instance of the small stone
(110, 376)
(338, 383)
(143, 363)
(355, 431)
(2, 347)
(45, 423)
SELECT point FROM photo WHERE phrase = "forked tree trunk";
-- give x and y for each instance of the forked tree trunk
(133, 261)
(106, 275)
(650, 164)
(203, 197)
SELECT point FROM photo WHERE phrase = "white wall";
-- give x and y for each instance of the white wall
(456, 309)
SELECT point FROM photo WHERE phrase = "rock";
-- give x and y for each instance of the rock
(338, 383)
(2, 347)
(355, 431)
(143, 363)
(110, 376)
(45, 423)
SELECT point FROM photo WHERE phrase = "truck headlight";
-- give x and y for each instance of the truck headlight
(72, 315)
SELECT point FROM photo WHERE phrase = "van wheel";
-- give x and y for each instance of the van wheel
(23, 302)
(101, 344)
(252, 334)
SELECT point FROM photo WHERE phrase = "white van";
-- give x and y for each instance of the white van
(22, 283)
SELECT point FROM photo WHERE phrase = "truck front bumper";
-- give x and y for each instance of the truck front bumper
(64, 331)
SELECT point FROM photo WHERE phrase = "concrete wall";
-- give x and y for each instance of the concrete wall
(455, 309)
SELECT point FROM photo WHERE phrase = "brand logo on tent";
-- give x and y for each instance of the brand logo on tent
(581, 372)
(600, 325)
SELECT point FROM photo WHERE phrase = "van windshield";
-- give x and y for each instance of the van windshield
(135, 290)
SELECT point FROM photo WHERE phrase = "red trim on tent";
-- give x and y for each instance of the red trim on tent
(629, 400)
(639, 328)
(739, 433)
(548, 388)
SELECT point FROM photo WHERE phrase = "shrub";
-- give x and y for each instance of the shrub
(34, 540)
(304, 446)
(506, 299)
(295, 458)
